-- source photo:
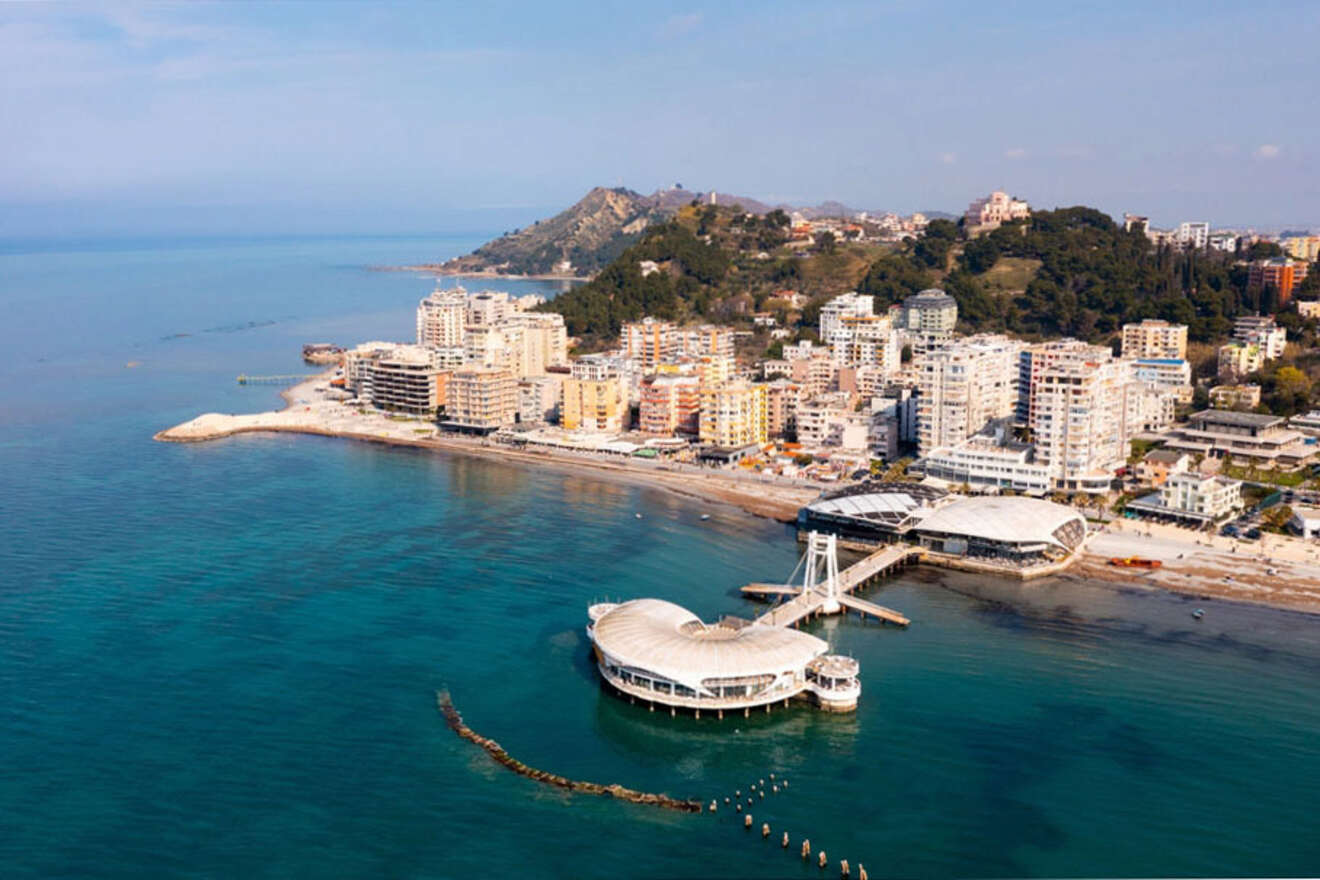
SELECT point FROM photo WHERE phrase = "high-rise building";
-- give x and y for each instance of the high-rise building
(593, 405)
(1079, 422)
(932, 313)
(442, 317)
(865, 341)
(400, 378)
(648, 341)
(488, 307)
(782, 398)
(480, 399)
(1155, 339)
(733, 414)
(964, 385)
(1037, 358)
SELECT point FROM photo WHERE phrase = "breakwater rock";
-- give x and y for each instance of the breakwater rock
(496, 751)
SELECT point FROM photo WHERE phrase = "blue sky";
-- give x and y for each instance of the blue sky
(356, 117)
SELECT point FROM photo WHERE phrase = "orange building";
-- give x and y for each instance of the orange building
(1280, 273)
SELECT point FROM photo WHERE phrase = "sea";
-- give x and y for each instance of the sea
(222, 659)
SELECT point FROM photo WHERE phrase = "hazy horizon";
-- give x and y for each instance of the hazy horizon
(214, 119)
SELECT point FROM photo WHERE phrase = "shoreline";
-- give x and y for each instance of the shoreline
(331, 419)
(1285, 576)
(439, 269)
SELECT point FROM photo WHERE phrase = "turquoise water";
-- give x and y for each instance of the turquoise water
(220, 660)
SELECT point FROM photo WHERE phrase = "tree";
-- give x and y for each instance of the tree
(778, 218)
(826, 242)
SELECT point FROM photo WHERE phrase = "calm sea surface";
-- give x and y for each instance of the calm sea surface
(221, 660)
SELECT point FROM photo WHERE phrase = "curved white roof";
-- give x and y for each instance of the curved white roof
(669, 640)
(1006, 519)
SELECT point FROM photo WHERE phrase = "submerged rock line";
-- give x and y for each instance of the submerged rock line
(496, 751)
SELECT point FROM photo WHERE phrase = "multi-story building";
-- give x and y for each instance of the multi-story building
(733, 414)
(1160, 464)
(848, 305)
(832, 421)
(1308, 308)
(994, 210)
(1155, 339)
(1302, 247)
(707, 340)
(488, 307)
(480, 400)
(1251, 437)
(865, 341)
(1199, 497)
(964, 385)
(648, 341)
(989, 460)
(1262, 331)
(782, 397)
(1237, 360)
(1280, 273)
(1135, 222)
(1241, 397)
(1224, 242)
(544, 341)
(670, 404)
(1079, 424)
(1035, 359)
(1194, 235)
(929, 316)
(442, 318)
(593, 405)
(1172, 374)
(539, 397)
(407, 379)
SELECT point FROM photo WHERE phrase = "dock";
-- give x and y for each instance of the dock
(833, 594)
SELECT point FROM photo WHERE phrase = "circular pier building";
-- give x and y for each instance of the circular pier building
(653, 650)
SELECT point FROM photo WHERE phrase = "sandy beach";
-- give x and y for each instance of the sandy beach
(311, 411)
(1274, 570)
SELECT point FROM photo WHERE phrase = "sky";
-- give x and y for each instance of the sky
(347, 117)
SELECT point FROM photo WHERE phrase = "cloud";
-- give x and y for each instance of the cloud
(949, 158)
(1267, 151)
(678, 25)
(1015, 153)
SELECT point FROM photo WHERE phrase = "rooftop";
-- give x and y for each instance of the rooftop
(1239, 419)
(1008, 520)
(670, 641)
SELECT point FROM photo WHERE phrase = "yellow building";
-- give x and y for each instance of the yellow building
(734, 414)
(592, 405)
(480, 399)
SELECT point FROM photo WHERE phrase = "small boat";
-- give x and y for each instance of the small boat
(1135, 562)
(1198, 614)
(705, 516)
(638, 515)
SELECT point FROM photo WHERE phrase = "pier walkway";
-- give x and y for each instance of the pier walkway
(832, 595)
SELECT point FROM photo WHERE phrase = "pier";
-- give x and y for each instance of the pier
(832, 594)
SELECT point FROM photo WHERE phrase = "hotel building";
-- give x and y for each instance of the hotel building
(670, 404)
(480, 400)
(442, 318)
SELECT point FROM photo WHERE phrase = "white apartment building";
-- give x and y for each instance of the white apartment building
(930, 315)
(1195, 235)
(848, 305)
(1035, 359)
(1155, 339)
(1200, 497)
(865, 341)
(965, 384)
(1171, 374)
(442, 318)
(1079, 422)
(988, 461)
(538, 398)
(1239, 359)
(488, 307)
(831, 421)
(1261, 330)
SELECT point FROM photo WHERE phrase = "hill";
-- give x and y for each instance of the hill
(713, 263)
(586, 237)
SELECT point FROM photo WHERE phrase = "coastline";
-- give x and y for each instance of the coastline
(439, 269)
(1278, 572)
(305, 414)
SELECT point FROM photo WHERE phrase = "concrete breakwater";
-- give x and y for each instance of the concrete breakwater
(455, 721)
